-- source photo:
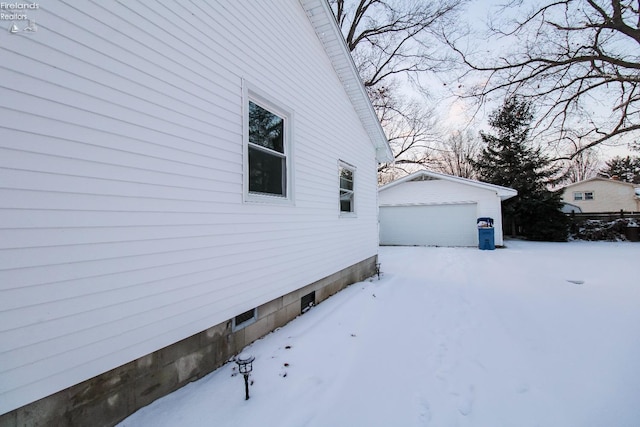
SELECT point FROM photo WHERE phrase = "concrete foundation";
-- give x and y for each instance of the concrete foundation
(110, 397)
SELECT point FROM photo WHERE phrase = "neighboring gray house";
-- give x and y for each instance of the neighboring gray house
(434, 209)
(178, 179)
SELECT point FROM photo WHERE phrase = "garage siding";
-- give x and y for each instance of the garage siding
(429, 225)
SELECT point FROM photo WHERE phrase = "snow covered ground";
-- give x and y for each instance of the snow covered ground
(537, 334)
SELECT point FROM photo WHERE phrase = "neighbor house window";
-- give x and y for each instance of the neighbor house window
(267, 151)
(583, 195)
(347, 200)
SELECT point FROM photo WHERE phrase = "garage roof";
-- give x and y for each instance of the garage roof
(503, 192)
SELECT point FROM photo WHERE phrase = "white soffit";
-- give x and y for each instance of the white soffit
(324, 23)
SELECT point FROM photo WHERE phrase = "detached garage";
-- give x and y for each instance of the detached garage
(433, 209)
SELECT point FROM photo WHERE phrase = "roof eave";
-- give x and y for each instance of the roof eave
(503, 192)
(322, 19)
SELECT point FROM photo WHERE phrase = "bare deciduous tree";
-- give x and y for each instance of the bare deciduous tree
(392, 42)
(583, 165)
(575, 60)
(455, 154)
(579, 163)
(394, 37)
(410, 129)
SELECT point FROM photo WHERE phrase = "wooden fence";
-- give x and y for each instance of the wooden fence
(603, 216)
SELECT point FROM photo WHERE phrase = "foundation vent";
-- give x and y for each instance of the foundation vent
(244, 319)
(307, 301)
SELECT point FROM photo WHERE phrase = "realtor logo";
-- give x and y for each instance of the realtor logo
(30, 28)
(21, 15)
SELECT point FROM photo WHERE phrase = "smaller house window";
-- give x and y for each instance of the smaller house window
(588, 195)
(577, 195)
(347, 193)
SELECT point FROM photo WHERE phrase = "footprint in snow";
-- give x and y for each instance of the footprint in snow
(424, 410)
(465, 401)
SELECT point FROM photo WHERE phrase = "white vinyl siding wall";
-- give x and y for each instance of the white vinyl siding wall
(122, 222)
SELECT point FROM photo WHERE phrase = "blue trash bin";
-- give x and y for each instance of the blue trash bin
(486, 236)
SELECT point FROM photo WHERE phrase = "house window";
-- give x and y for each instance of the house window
(268, 156)
(577, 195)
(347, 201)
(588, 195)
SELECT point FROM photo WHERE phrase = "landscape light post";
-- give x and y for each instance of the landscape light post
(245, 367)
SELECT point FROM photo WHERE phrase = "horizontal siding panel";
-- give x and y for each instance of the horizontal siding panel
(122, 276)
(106, 163)
(80, 42)
(213, 244)
(65, 72)
(62, 200)
(87, 95)
(233, 232)
(172, 186)
(220, 213)
(47, 135)
(141, 255)
(151, 130)
(168, 302)
(187, 46)
(17, 258)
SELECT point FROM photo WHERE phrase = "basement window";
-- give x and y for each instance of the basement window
(245, 319)
(307, 301)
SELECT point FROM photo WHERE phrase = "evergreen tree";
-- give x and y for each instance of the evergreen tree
(509, 160)
(625, 169)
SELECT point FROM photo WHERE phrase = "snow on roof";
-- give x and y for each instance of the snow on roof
(324, 23)
(424, 175)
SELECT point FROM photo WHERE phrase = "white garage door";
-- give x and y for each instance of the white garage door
(429, 225)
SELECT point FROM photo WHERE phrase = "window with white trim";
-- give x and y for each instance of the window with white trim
(583, 195)
(347, 192)
(268, 151)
